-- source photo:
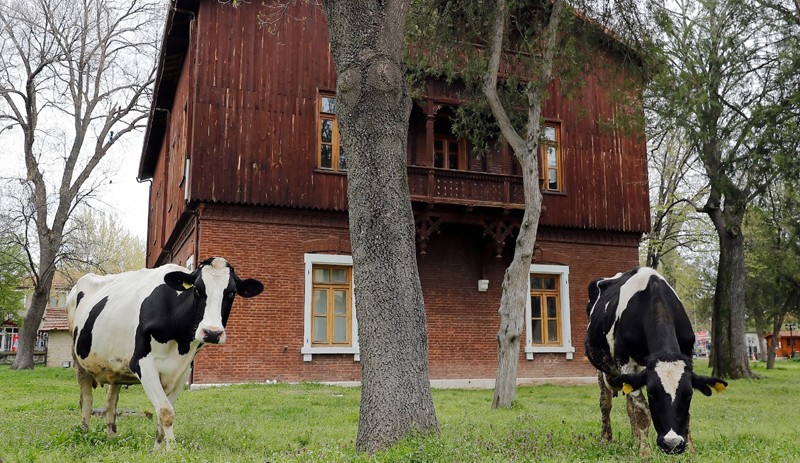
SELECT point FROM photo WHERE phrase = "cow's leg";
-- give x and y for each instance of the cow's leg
(689, 442)
(112, 397)
(605, 407)
(86, 383)
(165, 413)
(640, 420)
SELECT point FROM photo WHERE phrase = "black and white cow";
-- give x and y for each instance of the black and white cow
(639, 336)
(145, 327)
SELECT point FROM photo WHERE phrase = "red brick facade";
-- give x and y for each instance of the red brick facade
(266, 333)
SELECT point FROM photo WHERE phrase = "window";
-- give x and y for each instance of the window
(8, 338)
(330, 325)
(545, 313)
(552, 168)
(547, 320)
(449, 153)
(332, 299)
(330, 155)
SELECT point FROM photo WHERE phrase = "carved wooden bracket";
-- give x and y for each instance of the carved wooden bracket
(499, 231)
(426, 225)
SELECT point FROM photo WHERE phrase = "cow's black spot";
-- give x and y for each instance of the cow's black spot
(166, 315)
(78, 299)
(84, 343)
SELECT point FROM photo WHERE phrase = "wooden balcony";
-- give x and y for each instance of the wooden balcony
(466, 188)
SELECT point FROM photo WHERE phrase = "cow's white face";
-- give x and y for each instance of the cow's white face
(214, 285)
(215, 288)
(670, 385)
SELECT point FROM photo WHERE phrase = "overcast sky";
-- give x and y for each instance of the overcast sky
(121, 194)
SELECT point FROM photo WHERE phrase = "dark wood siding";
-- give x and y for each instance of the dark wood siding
(256, 110)
(244, 112)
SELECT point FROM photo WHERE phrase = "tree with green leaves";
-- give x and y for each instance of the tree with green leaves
(716, 82)
(74, 79)
(773, 261)
(12, 271)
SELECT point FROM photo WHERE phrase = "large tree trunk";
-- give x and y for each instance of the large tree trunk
(373, 107)
(729, 357)
(30, 325)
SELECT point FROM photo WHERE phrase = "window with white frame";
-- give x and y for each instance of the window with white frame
(547, 322)
(330, 325)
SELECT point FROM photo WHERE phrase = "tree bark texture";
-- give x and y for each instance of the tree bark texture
(515, 280)
(373, 107)
(729, 357)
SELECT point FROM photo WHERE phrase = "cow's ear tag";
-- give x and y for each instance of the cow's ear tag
(627, 388)
(719, 387)
(187, 285)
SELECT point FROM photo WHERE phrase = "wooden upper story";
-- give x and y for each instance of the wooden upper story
(245, 116)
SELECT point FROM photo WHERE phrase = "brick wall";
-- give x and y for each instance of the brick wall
(265, 334)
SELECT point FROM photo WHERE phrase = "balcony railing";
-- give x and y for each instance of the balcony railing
(444, 186)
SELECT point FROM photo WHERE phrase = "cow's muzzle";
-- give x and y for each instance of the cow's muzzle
(213, 336)
(671, 443)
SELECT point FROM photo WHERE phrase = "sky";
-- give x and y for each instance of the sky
(121, 194)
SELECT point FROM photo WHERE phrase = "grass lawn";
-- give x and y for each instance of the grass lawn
(753, 421)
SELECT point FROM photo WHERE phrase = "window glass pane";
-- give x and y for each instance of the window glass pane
(437, 160)
(320, 302)
(552, 161)
(438, 145)
(549, 282)
(552, 331)
(536, 307)
(452, 161)
(536, 282)
(326, 131)
(552, 307)
(326, 156)
(340, 329)
(328, 105)
(342, 159)
(339, 275)
(340, 302)
(320, 329)
(452, 148)
(536, 331)
(322, 275)
(552, 177)
(550, 133)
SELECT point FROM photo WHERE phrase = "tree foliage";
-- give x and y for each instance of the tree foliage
(12, 271)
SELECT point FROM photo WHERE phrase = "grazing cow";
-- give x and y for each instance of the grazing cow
(146, 327)
(639, 335)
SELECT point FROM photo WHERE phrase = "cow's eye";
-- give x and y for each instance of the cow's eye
(230, 294)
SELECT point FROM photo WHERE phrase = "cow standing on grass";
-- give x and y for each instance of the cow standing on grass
(146, 327)
(639, 335)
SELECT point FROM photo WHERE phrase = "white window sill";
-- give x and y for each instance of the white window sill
(568, 350)
(308, 352)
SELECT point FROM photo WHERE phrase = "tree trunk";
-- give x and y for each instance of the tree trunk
(373, 107)
(515, 293)
(772, 349)
(30, 325)
(515, 281)
(728, 344)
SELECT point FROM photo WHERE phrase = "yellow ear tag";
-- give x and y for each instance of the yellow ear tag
(719, 387)
(187, 285)
(627, 388)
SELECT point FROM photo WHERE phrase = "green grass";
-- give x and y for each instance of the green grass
(755, 420)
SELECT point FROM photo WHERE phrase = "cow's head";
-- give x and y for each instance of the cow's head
(670, 384)
(214, 285)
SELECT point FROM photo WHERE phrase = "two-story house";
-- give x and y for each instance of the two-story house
(242, 149)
